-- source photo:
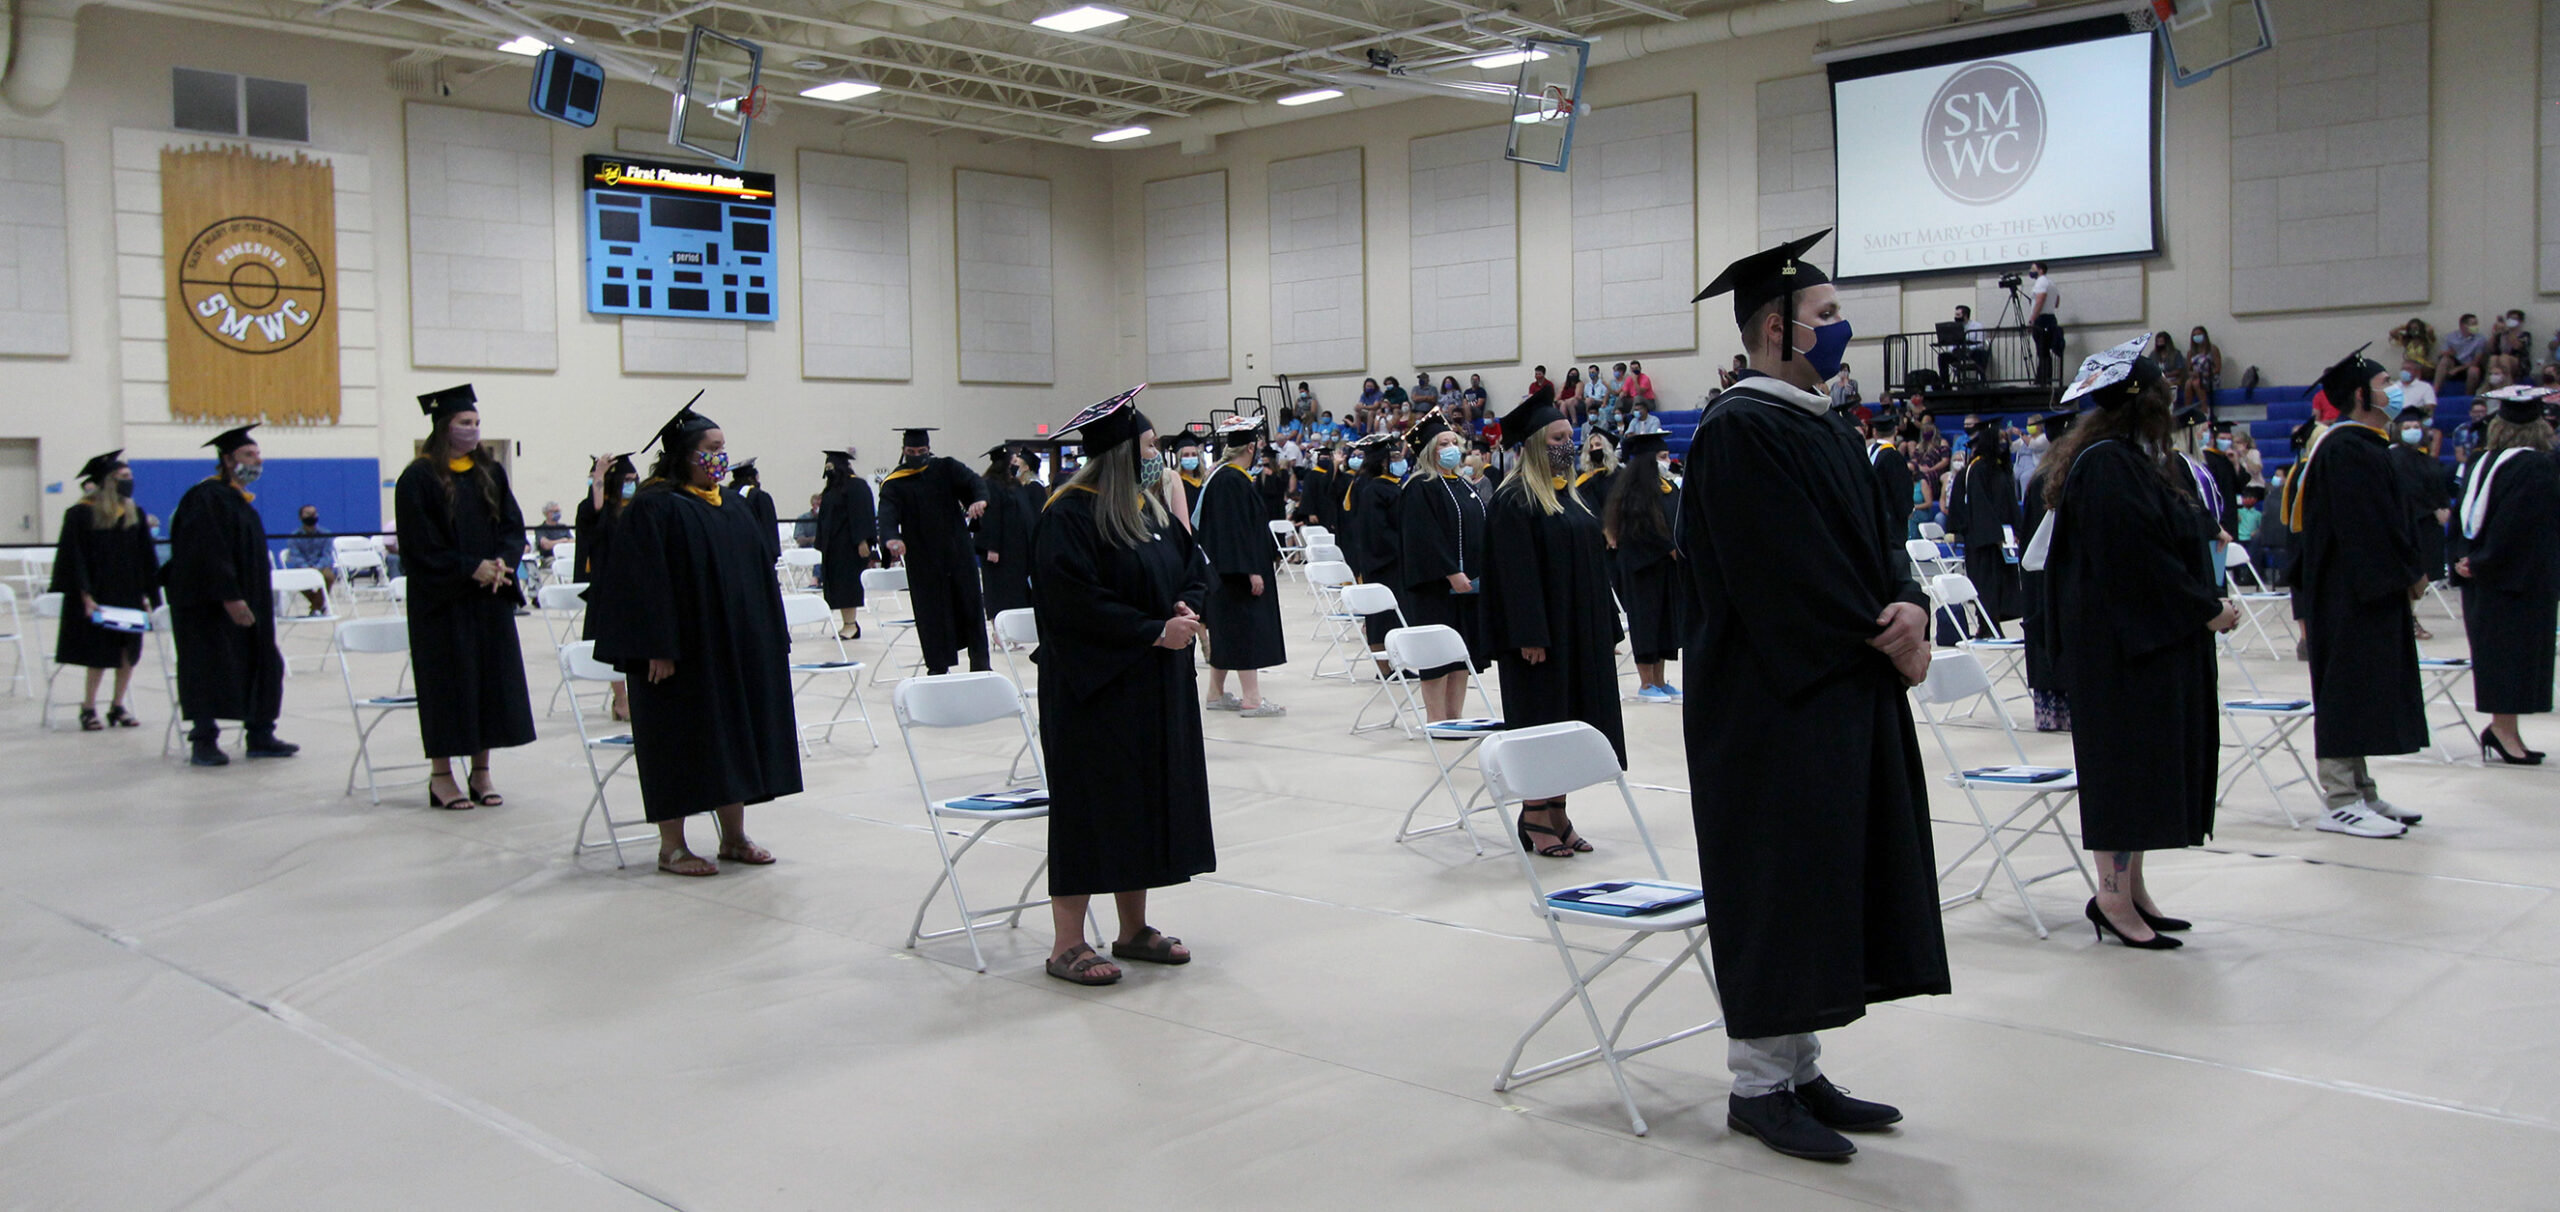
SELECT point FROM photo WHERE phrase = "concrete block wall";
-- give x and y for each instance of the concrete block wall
(35, 251)
(2329, 159)
(1007, 293)
(482, 280)
(1635, 224)
(1186, 271)
(1465, 213)
(1319, 265)
(856, 292)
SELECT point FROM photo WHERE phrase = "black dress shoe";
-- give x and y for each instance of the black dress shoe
(1779, 1119)
(207, 753)
(2157, 922)
(1833, 1106)
(270, 747)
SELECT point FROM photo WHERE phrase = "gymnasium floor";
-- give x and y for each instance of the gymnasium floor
(241, 989)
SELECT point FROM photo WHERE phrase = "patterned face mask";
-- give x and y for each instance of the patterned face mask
(715, 462)
(1151, 471)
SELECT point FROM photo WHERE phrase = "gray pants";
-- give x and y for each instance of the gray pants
(1771, 1063)
(2345, 783)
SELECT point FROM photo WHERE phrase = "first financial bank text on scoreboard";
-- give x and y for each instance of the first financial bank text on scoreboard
(683, 240)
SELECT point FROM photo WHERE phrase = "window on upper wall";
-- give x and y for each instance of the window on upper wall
(224, 103)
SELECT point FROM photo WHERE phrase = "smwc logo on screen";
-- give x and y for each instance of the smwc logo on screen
(1984, 133)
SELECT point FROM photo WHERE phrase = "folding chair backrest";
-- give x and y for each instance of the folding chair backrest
(1369, 598)
(8, 596)
(802, 557)
(1932, 531)
(955, 700)
(298, 580)
(558, 597)
(578, 663)
(884, 580)
(1325, 573)
(374, 635)
(1312, 535)
(1921, 551)
(1426, 647)
(48, 605)
(1953, 589)
(1283, 531)
(1322, 551)
(1018, 626)
(350, 542)
(1954, 677)
(802, 609)
(1546, 761)
(399, 589)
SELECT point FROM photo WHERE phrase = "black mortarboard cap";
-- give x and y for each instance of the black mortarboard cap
(2192, 414)
(1186, 440)
(686, 422)
(1532, 415)
(1772, 273)
(442, 404)
(1110, 423)
(2521, 402)
(1431, 425)
(838, 460)
(2341, 380)
(1637, 445)
(2222, 427)
(999, 452)
(2059, 423)
(233, 439)
(746, 470)
(917, 435)
(96, 470)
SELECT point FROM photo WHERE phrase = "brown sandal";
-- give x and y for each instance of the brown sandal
(685, 862)
(1077, 965)
(1151, 946)
(747, 852)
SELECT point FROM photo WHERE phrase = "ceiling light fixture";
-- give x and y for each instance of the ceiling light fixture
(839, 90)
(1510, 59)
(524, 44)
(1125, 132)
(1081, 18)
(1309, 97)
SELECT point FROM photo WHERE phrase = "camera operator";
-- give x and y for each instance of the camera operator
(2044, 306)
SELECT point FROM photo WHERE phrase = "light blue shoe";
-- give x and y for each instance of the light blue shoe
(1653, 694)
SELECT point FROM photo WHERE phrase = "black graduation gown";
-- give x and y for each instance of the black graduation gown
(2427, 488)
(594, 535)
(1315, 489)
(2130, 575)
(113, 566)
(761, 503)
(1812, 808)
(1120, 718)
(1244, 627)
(2513, 597)
(1594, 485)
(924, 508)
(1893, 470)
(1652, 587)
(1546, 585)
(462, 637)
(846, 529)
(2358, 561)
(1274, 492)
(687, 584)
(1989, 502)
(1004, 549)
(2229, 480)
(2035, 618)
(217, 554)
(1375, 550)
(1442, 531)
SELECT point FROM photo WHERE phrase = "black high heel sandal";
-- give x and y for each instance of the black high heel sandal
(2157, 942)
(89, 720)
(2489, 743)
(1560, 849)
(118, 717)
(461, 801)
(486, 799)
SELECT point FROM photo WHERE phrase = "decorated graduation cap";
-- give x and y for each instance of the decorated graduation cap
(233, 439)
(1773, 273)
(1240, 431)
(96, 470)
(443, 404)
(2520, 403)
(918, 435)
(1532, 415)
(746, 471)
(1112, 422)
(2111, 377)
(1431, 425)
(2340, 381)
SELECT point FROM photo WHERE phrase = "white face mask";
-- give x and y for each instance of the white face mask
(2412, 434)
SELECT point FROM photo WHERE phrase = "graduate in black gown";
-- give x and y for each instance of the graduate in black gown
(2036, 618)
(1189, 461)
(461, 535)
(1003, 535)
(104, 557)
(1442, 539)
(1893, 468)
(222, 611)
(610, 484)
(2426, 486)
(2358, 572)
(691, 613)
(2134, 608)
(1811, 804)
(1119, 588)
(925, 508)
(1640, 516)
(1375, 529)
(1316, 488)
(847, 525)
(748, 482)
(1546, 611)
(2511, 573)
(1983, 512)
(1243, 606)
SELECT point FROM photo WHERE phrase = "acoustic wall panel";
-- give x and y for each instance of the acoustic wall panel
(482, 287)
(855, 298)
(1799, 195)
(655, 346)
(1465, 202)
(2547, 162)
(1319, 287)
(35, 250)
(1000, 235)
(1186, 250)
(1635, 225)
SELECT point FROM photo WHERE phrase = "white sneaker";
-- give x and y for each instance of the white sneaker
(2355, 822)
(2387, 812)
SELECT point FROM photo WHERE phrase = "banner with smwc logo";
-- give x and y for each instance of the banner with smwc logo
(251, 251)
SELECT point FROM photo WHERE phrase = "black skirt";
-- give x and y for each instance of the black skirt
(1437, 605)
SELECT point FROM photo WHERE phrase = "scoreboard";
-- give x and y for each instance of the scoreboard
(678, 240)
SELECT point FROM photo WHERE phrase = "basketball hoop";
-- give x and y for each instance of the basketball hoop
(753, 106)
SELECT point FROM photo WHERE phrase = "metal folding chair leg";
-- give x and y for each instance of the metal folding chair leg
(1605, 1038)
(1467, 807)
(2254, 752)
(2050, 804)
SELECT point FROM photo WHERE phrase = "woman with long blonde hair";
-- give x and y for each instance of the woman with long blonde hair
(1547, 614)
(103, 559)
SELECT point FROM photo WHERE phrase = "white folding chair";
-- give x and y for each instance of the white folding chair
(400, 594)
(289, 585)
(381, 637)
(35, 570)
(1960, 600)
(1359, 601)
(1933, 532)
(1293, 553)
(357, 555)
(963, 700)
(160, 645)
(878, 584)
(2275, 722)
(1413, 649)
(2258, 603)
(800, 567)
(578, 663)
(49, 608)
(562, 605)
(1928, 560)
(13, 632)
(1314, 535)
(2444, 675)
(1957, 677)
(1545, 762)
(1327, 589)
(1018, 629)
(800, 610)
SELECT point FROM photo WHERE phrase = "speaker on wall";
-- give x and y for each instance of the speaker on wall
(567, 88)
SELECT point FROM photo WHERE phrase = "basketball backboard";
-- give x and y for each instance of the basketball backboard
(2204, 36)
(1547, 103)
(717, 97)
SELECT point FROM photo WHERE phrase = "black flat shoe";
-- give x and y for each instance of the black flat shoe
(2157, 942)
(1781, 1121)
(1833, 1106)
(2489, 744)
(272, 748)
(2157, 922)
(207, 753)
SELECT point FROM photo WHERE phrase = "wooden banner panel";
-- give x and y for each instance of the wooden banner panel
(251, 249)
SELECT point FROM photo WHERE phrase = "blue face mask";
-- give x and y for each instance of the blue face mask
(1398, 468)
(2394, 399)
(1191, 462)
(1450, 457)
(1353, 462)
(629, 488)
(1830, 347)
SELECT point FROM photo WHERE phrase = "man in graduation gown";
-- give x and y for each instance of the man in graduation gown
(748, 482)
(1243, 607)
(925, 508)
(1811, 804)
(1893, 468)
(1316, 488)
(2222, 460)
(2358, 572)
(222, 607)
(846, 526)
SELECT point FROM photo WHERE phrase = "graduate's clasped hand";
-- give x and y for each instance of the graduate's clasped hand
(492, 575)
(1904, 641)
(1181, 629)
